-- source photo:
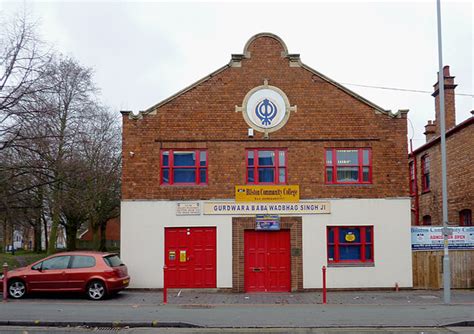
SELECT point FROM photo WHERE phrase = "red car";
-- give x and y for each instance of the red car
(94, 273)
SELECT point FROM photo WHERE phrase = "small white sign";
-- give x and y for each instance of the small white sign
(188, 209)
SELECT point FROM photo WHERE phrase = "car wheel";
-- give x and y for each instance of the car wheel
(96, 290)
(16, 289)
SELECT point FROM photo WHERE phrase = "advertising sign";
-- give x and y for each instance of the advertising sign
(266, 194)
(267, 223)
(431, 238)
(250, 209)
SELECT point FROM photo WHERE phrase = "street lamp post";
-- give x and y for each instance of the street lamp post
(446, 266)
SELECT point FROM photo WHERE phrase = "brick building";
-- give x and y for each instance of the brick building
(259, 174)
(425, 166)
(112, 235)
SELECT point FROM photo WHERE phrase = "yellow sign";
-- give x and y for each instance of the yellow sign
(182, 256)
(350, 237)
(267, 194)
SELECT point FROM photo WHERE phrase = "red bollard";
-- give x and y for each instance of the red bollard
(324, 284)
(165, 288)
(5, 279)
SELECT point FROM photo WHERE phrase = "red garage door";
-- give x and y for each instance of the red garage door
(267, 261)
(190, 255)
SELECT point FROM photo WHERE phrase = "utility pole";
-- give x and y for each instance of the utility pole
(446, 266)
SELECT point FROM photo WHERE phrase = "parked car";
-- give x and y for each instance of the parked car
(94, 273)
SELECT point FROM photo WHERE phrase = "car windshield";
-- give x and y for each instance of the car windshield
(113, 261)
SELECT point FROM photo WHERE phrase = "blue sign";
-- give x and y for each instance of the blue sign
(267, 223)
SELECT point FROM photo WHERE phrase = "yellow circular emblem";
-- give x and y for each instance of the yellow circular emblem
(350, 237)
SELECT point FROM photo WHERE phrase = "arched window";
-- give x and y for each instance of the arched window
(465, 217)
(427, 220)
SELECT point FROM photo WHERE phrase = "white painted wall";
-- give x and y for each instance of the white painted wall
(392, 244)
(142, 242)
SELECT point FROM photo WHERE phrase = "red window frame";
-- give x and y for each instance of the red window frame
(276, 167)
(411, 167)
(363, 244)
(334, 165)
(426, 220)
(465, 217)
(171, 167)
(425, 173)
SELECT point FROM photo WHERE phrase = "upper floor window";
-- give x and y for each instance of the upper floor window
(465, 217)
(184, 167)
(427, 220)
(412, 178)
(425, 173)
(350, 244)
(348, 166)
(266, 166)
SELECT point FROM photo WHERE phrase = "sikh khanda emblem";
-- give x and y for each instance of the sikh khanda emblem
(266, 111)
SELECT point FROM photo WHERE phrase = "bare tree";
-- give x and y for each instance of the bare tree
(102, 151)
(59, 149)
(69, 103)
(22, 61)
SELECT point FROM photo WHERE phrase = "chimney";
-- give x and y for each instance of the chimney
(449, 108)
(430, 130)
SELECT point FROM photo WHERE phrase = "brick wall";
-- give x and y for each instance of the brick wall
(204, 117)
(460, 177)
(240, 224)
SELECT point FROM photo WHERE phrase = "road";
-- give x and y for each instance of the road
(401, 310)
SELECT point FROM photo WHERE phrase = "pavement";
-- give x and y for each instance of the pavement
(210, 309)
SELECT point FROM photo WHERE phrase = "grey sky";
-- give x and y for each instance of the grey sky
(143, 52)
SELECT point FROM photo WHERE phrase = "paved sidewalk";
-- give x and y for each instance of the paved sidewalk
(186, 297)
(404, 297)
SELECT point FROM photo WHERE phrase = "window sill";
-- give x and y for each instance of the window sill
(349, 184)
(183, 185)
(343, 265)
(426, 191)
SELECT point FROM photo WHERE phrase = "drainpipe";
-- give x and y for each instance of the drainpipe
(415, 186)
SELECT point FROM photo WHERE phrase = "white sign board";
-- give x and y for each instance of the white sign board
(431, 238)
(188, 209)
(232, 208)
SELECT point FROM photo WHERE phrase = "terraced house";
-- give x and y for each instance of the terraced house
(261, 173)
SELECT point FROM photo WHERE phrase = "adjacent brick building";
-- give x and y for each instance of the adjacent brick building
(322, 166)
(425, 166)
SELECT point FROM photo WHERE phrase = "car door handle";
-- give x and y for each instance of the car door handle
(256, 270)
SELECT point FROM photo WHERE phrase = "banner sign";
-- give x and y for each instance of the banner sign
(431, 238)
(267, 194)
(232, 208)
(267, 222)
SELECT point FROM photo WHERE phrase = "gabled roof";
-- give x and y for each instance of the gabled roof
(294, 61)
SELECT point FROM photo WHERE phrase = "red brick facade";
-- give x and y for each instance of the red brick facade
(459, 156)
(204, 116)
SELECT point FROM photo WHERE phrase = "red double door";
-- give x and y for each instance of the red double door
(190, 257)
(267, 261)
